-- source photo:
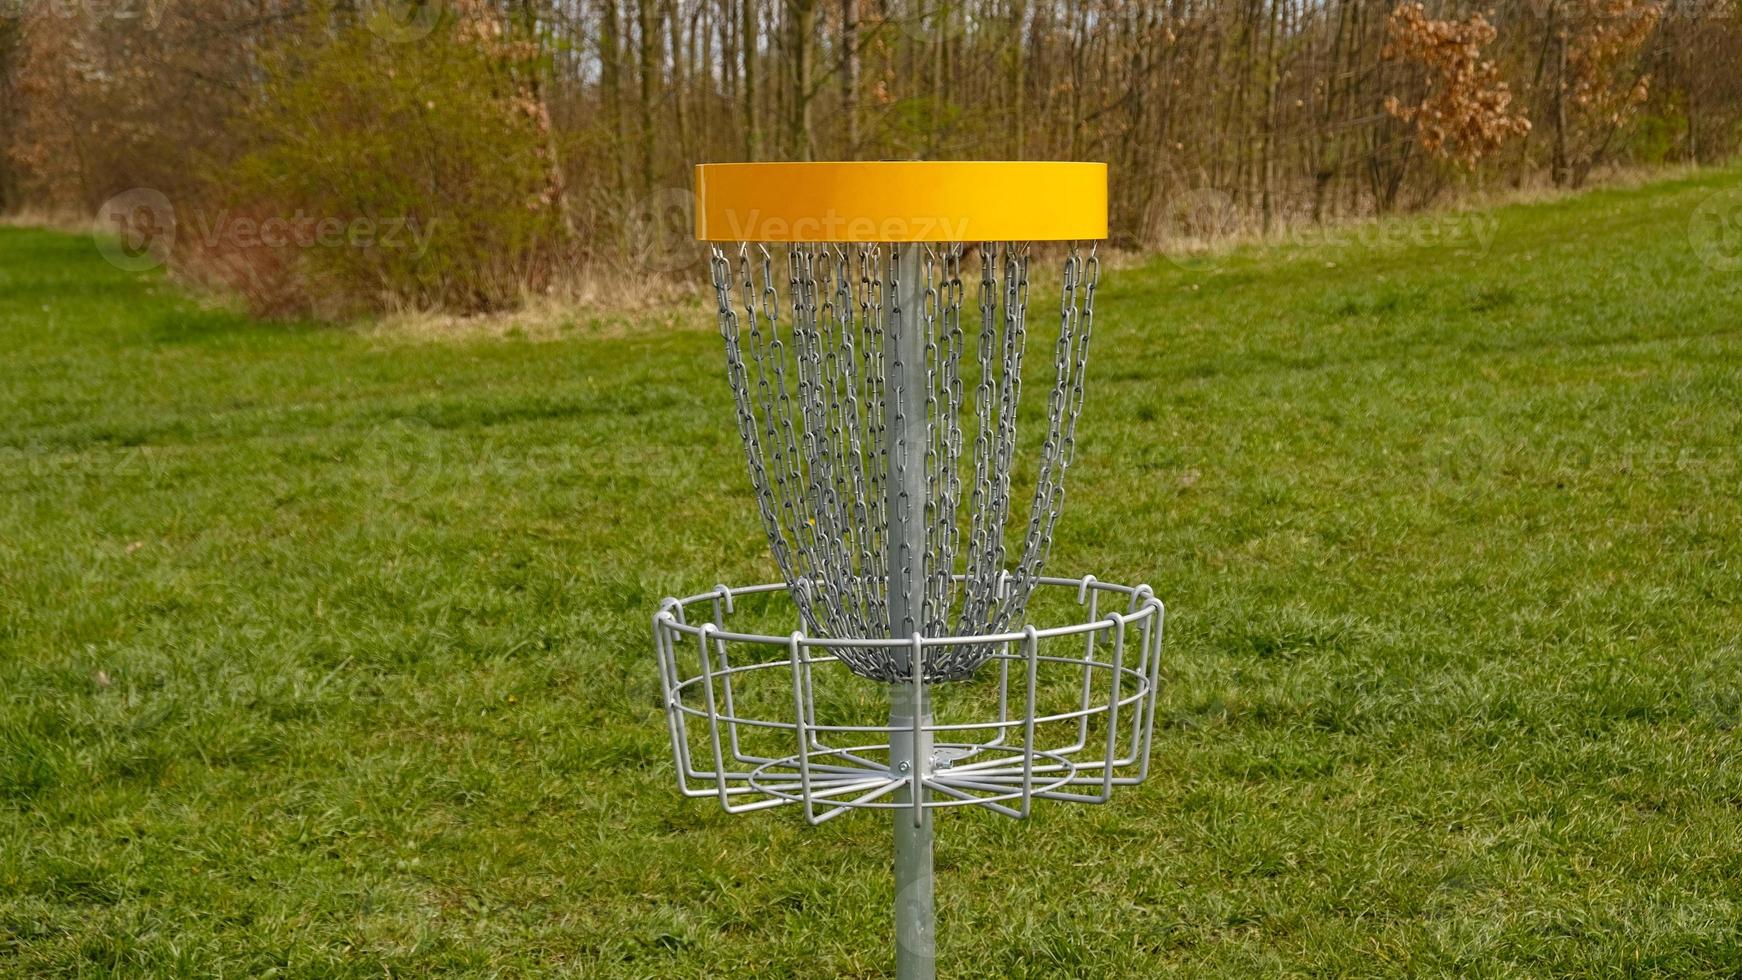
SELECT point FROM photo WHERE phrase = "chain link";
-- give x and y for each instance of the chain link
(810, 399)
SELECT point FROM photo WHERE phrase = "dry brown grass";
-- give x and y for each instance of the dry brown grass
(593, 304)
(53, 219)
(1536, 189)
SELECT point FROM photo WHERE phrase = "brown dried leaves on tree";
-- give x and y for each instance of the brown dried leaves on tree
(1603, 39)
(1465, 113)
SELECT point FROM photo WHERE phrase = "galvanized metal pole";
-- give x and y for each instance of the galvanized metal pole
(905, 389)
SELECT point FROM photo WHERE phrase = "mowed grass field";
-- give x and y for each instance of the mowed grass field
(325, 651)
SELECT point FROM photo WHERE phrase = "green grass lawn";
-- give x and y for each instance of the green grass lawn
(326, 652)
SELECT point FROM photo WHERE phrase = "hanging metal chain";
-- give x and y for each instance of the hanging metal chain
(811, 397)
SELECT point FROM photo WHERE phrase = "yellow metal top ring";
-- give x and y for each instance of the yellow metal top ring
(909, 201)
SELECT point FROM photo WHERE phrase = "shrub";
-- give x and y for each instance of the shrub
(417, 174)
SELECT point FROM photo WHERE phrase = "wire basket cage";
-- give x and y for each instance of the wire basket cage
(759, 720)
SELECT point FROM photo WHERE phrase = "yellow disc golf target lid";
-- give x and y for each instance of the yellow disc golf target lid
(907, 201)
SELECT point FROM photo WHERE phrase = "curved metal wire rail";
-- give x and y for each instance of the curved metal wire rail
(1062, 713)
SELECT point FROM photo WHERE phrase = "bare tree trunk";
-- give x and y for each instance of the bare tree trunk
(611, 86)
(1074, 122)
(1327, 155)
(705, 70)
(1558, 167)
(680, 113)
(1018, 81)
(801, 18)
(849, 79)
(747, 37)
(649, 16)
(1268, 149)
(9, 34)
(1693, 152)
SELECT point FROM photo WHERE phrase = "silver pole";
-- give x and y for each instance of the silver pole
(905, 387)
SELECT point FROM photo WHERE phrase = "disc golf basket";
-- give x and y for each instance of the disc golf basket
(914, 656)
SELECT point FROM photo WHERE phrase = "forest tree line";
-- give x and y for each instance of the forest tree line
(534, 137)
